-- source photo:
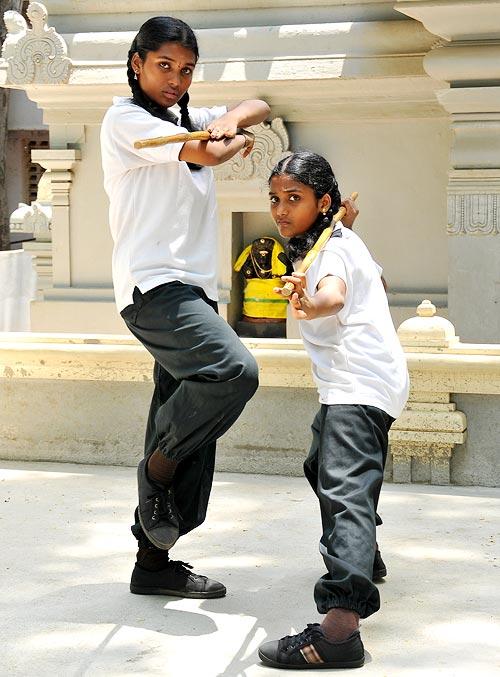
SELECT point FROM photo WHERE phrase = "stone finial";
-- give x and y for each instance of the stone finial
(36, 55)
(271, 143)
(427, 329)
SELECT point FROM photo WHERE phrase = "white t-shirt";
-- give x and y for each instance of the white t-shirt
(356, 355)
(162, 215)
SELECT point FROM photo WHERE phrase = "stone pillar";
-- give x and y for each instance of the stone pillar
(424, 436)
(468, 58)
(60, 163)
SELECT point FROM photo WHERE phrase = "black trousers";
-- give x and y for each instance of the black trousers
(345, 468)
(203, 378)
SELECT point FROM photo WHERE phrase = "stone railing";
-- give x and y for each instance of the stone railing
(425, 434)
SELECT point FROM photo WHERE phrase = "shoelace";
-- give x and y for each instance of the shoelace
(162, 507)
(310, 633)
(184, 567)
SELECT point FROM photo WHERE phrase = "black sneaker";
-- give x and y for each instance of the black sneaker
(175, 579)
(379, 568)
(157, 512)
(311, 650)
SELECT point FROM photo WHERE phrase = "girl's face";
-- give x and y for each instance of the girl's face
(294, 206)
(165, 75)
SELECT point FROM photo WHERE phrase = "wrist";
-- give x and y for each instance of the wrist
(249, 138)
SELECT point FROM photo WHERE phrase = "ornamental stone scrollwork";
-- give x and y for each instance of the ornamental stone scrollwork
(473, 214)
(271, 144)
(36, 55)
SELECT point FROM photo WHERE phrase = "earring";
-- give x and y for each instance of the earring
(135, 75)
(325, 219)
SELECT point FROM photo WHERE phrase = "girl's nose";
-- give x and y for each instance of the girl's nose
(174, 79)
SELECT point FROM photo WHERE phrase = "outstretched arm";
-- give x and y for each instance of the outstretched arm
(328, 300)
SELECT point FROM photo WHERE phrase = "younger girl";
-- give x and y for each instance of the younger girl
(163, 223)
(362, 380)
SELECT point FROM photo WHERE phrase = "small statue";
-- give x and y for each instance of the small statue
(16, 29)
(262, 263)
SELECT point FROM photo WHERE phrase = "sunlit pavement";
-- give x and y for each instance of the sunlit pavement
(67, 555)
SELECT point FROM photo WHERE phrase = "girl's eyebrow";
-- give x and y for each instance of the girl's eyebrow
(168, 58)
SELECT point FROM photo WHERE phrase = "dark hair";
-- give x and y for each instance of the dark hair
(314, 171)
(151, 36)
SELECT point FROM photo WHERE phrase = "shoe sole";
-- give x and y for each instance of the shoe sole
(136, 590)
(358, 663)
(155, 541)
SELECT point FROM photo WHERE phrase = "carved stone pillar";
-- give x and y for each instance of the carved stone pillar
(60, 163)
(468, 57)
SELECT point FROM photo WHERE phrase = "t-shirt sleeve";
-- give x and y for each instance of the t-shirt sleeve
(330, 264)
(134, 124)
(380, 270)
(202, 117)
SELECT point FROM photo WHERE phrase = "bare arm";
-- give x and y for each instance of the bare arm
(328, 300)
(212, 153)
(225, 141)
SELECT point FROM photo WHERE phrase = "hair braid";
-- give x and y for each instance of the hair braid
(151, 36)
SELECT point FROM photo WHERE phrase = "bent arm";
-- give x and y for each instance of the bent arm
(330, 297)
(248, 113)
(212, 153)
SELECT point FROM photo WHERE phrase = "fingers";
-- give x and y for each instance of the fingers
(351, 212)
(221, 130)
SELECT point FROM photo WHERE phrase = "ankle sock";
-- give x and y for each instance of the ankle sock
(151, 558)
(339, 624)
(161, 469)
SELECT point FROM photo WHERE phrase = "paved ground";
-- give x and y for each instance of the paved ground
(66, 558)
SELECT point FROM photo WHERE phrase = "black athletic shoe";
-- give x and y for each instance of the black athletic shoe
(310, 650)
(379, 568)
(157, 512)
(175, 579)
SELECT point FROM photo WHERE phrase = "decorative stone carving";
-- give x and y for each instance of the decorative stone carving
(32, 219)
(36, 55)
(473, 214)
(16, 29)
(424, 436)
(271, 144)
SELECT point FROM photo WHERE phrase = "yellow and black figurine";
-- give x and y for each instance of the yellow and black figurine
(261, 263)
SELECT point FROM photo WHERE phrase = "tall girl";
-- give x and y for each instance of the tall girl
(361, 375)
(163, 223)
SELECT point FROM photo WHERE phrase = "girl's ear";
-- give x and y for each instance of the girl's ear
(136, 62)
(325, 203)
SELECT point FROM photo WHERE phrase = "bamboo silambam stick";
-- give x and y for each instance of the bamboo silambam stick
(175, 138)
(288, 288)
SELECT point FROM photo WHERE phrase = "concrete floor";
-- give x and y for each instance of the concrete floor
(67, 554)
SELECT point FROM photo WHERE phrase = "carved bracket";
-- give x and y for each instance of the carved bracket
(36, 55)
(271, 144)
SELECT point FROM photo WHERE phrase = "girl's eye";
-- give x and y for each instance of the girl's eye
(273, 200)
(294, 198)
(165, 66)
(187, 71)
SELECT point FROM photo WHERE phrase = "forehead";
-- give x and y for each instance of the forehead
(285, 182)
(174, 51)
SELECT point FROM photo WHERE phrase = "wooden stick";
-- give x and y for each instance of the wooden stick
(288, 288)
(175, 138)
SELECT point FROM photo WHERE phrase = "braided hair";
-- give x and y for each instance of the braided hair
(314, 171)
(151, 36)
